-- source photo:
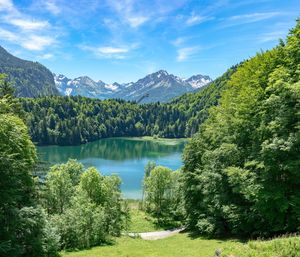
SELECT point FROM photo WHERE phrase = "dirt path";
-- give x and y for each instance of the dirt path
(157, 234)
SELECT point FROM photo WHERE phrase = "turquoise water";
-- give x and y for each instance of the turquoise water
(125, 157)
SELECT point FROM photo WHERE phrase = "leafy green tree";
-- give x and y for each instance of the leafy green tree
(22, 230)
(158, 189)
(241, 171)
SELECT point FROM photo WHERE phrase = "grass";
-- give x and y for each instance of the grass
(140, 221)
(184, 245)
(178, 245)
(278, 247)
(166, 141)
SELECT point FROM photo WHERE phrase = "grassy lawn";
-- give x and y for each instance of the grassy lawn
(279, 247)
(183, 245)
(180, 245)
(142, 222)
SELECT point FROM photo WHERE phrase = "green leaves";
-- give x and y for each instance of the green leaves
(85, 207)
(242, 169)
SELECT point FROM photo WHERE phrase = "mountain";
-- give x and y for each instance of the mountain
(85, 86)
(156, 87)
(161, 87)
(30, 79)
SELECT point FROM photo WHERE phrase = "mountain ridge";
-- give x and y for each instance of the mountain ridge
(156, 86)
(30, 79)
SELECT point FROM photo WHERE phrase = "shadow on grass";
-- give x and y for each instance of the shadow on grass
(196, 235)
(109, 242)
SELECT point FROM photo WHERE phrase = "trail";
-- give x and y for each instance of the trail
(157, 234)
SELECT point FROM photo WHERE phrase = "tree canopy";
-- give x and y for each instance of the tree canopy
(242, 169)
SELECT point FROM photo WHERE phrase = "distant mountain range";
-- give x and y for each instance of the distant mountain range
(31, 79)
(159, 86)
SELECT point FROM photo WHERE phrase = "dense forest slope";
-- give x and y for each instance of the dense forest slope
(31, 79)
(242, 169)
(75, 119)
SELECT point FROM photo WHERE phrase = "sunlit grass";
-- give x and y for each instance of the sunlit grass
(178, 245)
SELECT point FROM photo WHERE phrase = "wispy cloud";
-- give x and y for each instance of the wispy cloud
(22, 29)
(6, 5)
(110, 52)
(178, 41)
(129, 13)
(52, 7)
(186, 52)
(197, 19)
(31, 42)
(248, 18)
(37, 43)
(136, 21)
(46, 56)
(7, 35)
(27, 24)
(272, 36)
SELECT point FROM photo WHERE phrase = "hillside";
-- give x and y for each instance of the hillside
(30, 79)
(76, 119)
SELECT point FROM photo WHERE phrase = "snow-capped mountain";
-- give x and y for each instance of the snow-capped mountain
(85, 86)
(159, 86)
(198, 81)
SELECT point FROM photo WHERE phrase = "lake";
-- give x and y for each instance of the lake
(125, 157)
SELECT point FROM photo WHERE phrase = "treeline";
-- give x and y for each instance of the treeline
(242, 170)
(76, 120)
(71, 208)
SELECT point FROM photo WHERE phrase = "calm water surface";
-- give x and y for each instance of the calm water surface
(125, 157)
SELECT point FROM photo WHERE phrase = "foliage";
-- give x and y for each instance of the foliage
(22, 230)
(30, 79)
(85, 207)
(241, 170)
(278, 247)
(163, 194)
(77, 120)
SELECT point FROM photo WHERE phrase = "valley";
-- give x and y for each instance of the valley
(210, 166)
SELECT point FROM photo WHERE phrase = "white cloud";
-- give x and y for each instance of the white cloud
(186, 52)
(249, 18)
(52, 7)
(197, 19)
(6, 5)
(137, 21)
(9, 36)
(46, 56)
(272, 36)
(37, 43)
(27, 24)
(110, 52)
(23, 30)
(178, 41)
(129, 12)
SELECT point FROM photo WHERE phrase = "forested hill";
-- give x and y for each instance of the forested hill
(30, 79)
(241, 170)
(75, 120)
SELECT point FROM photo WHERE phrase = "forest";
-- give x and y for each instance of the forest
(74, 120)
(240, 176)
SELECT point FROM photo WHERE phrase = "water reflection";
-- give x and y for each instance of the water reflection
(123, 156)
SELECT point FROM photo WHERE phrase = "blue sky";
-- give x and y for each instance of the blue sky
(123, 40)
